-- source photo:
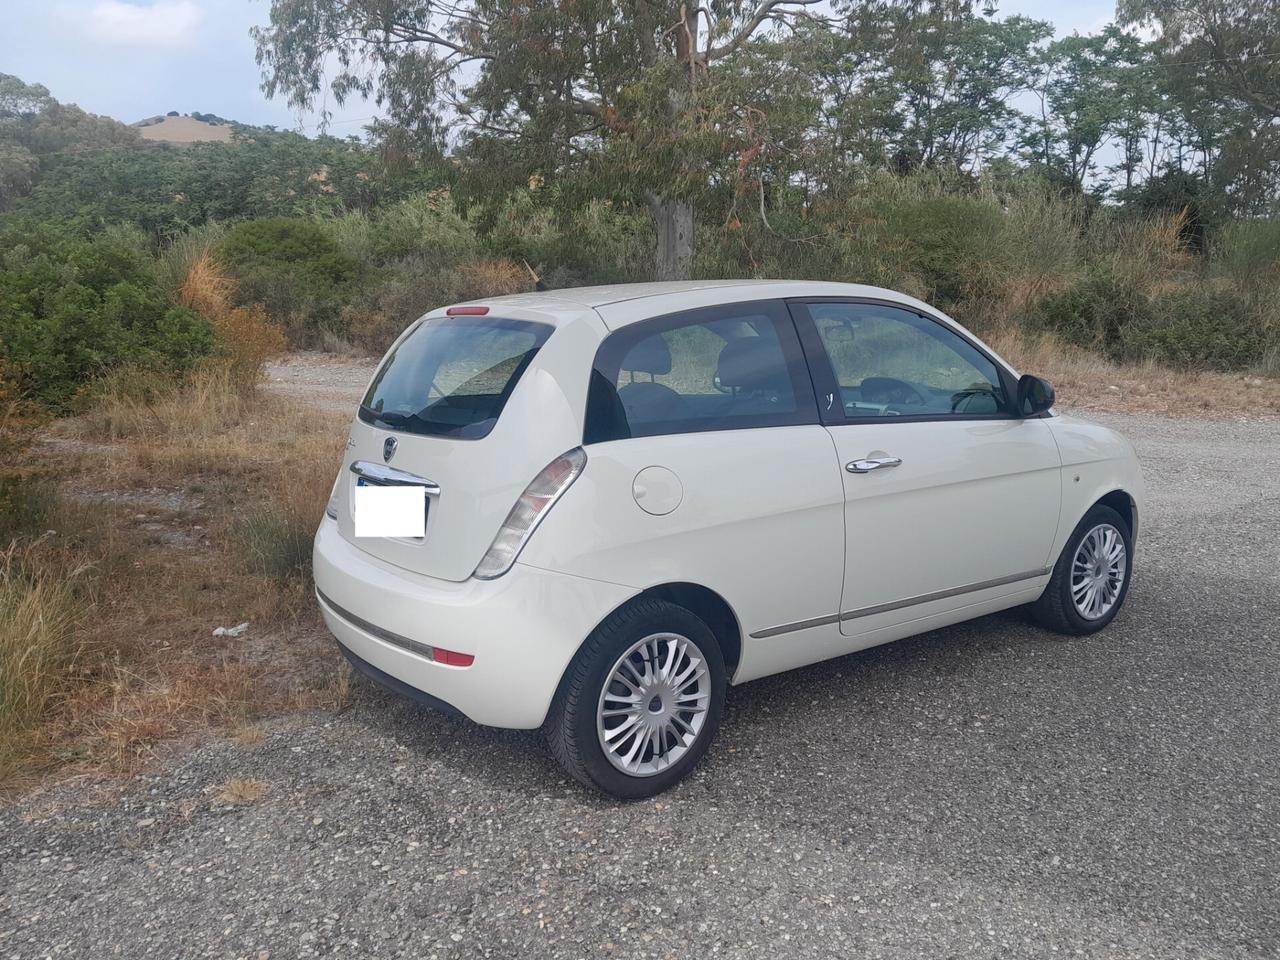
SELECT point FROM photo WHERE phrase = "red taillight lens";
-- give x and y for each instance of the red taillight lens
(466, 311)
(452, 658)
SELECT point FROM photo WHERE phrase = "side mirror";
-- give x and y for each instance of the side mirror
(1034, 395)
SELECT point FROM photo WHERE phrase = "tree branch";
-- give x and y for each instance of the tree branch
(762, 13)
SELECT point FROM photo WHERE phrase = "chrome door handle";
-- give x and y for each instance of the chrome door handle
(871, 463)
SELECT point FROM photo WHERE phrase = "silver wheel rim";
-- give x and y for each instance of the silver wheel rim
(1097, 572)
(654, 704)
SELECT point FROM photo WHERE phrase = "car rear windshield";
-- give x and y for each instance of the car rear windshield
(451, 376)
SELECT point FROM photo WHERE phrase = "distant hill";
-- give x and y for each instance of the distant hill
(196, 128)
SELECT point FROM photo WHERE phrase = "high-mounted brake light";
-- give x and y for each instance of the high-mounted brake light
(466, 311)
(539, 497)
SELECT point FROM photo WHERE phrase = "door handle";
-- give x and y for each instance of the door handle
(871, 463)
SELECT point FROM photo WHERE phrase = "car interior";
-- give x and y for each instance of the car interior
(748, 377)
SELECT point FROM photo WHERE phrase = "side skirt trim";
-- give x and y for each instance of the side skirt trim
(898, 604)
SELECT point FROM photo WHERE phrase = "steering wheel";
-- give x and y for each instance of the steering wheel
(890, 390)
(962, 397)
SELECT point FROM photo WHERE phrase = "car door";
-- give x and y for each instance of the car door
(707, 465)
(950, 499)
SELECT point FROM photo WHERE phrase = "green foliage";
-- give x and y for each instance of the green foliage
(1200, 327)
(294, 268)
(167, 188)
(72, 308)
(35, 128)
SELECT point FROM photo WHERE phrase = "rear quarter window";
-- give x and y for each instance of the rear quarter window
(718, 368)
(452, 376)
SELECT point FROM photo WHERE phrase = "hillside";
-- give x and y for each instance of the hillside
(172, 129)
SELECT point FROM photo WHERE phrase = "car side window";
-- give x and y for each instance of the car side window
(717, 368)
(890, 362)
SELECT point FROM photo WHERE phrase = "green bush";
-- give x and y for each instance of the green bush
(1202, 327)
(1091, 313)
(71, 309)
(296, 270)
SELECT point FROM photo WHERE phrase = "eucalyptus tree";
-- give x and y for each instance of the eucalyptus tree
(1084, 90)
(645, 96)
(1221, 59)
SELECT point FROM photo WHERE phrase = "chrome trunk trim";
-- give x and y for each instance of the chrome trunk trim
(384, 476)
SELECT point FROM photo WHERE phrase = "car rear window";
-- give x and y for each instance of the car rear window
(451, 376)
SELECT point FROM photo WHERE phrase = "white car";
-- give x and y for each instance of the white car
(623, 498)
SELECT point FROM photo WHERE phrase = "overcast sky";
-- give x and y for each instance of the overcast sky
(132, 59)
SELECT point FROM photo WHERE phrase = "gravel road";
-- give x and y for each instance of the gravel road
(988, 790)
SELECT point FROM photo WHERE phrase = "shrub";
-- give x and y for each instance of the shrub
(410, 288)
(295, 269)
(1207, 326)
(1091, 313)
(246, 337)
(72, 308)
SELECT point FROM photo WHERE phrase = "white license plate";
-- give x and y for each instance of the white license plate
(389, 511)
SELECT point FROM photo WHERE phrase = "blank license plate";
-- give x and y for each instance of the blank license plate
(389, 511)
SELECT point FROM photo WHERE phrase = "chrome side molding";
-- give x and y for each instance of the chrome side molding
(899, 604)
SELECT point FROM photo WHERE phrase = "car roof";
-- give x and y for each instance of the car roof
(621, 303)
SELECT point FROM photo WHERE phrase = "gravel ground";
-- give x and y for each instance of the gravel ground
(987, 790)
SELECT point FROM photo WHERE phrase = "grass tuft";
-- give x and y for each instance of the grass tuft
(39, 647)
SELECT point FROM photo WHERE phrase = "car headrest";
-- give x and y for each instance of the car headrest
(751, 363)
(650, 355)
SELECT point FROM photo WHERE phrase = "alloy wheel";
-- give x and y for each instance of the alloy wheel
(654, 704)
(1098, 571)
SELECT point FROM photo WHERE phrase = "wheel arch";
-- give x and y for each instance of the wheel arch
(710, 607)
(1123, 503)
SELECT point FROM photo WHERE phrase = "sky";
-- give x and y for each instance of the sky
(133, 59)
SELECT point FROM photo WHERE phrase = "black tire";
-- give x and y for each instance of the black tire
(1056, 610)
(571, 727)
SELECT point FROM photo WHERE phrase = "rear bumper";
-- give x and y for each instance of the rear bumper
(522, 629)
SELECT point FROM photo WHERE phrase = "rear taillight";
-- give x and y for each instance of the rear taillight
(528, 512)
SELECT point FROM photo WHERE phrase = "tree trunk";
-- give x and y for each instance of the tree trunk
(673, 220)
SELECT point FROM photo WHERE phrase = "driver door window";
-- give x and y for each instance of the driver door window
(890, 362)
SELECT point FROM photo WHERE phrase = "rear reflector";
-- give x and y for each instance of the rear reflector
(466, 311)
(453, 659)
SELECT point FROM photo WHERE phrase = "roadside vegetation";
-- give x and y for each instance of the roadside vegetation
(1122, 241)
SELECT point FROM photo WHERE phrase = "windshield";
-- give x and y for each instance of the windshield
(451, 376)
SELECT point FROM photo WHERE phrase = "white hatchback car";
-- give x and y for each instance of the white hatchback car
(635, 495)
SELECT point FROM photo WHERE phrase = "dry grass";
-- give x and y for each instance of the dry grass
(494, 278)
(246, 337)
(40, 648)
(240, 790)
(154, 496)
(1085, 381)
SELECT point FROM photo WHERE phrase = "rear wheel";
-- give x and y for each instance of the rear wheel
(641, 701)
(1091, 578)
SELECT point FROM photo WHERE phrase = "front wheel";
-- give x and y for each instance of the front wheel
(1091, 578)
(641, 701)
